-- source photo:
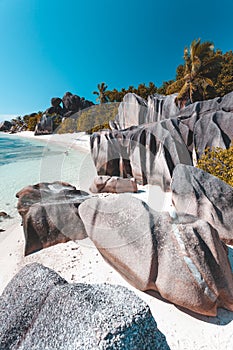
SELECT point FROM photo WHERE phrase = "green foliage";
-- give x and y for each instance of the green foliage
(218, 162)
(224, 81)
(199, 73)
(101, 93)
(33, 119)
(118, 95)
(98, 128)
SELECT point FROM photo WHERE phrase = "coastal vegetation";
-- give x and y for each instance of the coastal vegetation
(218, 162)
(205, 73)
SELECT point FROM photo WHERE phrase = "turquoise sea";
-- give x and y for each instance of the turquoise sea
(27, 161)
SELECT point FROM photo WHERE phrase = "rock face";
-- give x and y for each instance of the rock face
(39, 310)
(199, 193)
(149, 138)
(213, 130)
(113, 184)
(148, 153)
(182, 258)
(208, 123)
(5, 125)
(45, 126)
(68, 105)
(50, 214)
(134, 110)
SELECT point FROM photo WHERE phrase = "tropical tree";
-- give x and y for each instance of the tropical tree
(101, 93)
(200, 69)
(224, 83)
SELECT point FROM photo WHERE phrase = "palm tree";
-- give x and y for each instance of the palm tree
(102, 96)
(199, 72)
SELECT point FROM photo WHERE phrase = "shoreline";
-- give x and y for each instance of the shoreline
(79, 141)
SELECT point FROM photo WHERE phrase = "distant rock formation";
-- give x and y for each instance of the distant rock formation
(5, 125)
(182, 258)
(68, 105)
(40, 310)
(53, 208)
(205, 196)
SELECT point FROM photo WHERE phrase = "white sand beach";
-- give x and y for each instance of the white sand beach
(81, 262)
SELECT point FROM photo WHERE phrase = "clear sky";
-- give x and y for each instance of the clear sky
(49, 47)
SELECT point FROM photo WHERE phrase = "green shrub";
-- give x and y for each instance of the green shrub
(218, 162)
(98, 128)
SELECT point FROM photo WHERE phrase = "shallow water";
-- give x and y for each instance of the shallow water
(26, 162)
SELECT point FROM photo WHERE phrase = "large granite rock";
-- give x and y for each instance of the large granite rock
(45, 126)
(134, 110)
(73, 103)
(202, 124)
(148, 153)
(5, 125)
(201, 194)
(50, 214)
(182, 258)
(113, 184)
(56, 106)
(21, 302)
(39, 310)
(67, 105)
(213, 130)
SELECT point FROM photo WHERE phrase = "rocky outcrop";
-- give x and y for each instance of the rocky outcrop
(148, 153)
(68, 105)
(50, 214)
(213, 130)
(113, 184)
(182, 258)
(45, 126)
(149, 137)
(5, 125)
(199, 193)
(134, 110)
(207, 123)
(40, 310)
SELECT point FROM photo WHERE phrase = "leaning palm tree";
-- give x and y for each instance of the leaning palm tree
(200, 69)
(102, 96)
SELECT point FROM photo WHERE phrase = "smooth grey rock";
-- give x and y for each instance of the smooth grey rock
(147, 153)
(134, 110)
(201, 126)
(182, 258)
(213, 130)
(50, 214)
(41, 311)
(45, 126)
(199, 193)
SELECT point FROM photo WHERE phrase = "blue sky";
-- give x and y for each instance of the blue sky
(49, 47)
